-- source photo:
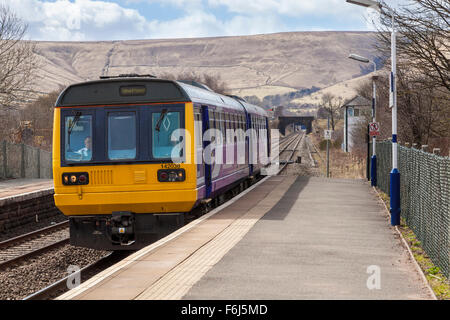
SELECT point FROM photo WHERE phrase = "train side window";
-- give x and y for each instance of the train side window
(220, 122)
(163, 126)
(211, 119)
(121, 146)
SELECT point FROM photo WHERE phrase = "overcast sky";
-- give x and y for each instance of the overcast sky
(94, 20)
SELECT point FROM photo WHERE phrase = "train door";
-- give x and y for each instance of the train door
(248, 141)
(207, 166)
(198, 133)
(268, 138)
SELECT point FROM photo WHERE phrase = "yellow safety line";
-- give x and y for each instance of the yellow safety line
(178, 281)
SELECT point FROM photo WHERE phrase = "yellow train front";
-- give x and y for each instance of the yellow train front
(119, 157)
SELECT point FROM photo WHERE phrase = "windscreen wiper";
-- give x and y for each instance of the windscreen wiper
(160, 120)
(74, 122)
(72, 125)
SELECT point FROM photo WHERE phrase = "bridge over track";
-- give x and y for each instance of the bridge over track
(299, 120)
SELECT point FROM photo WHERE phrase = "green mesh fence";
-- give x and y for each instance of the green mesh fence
(424, 196)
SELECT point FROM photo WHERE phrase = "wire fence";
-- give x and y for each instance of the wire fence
(424, 196)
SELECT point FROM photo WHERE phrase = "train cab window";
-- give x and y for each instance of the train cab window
(163, 125)
(121, 135)
(78, 137)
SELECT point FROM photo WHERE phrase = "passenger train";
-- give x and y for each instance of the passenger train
(129, 156)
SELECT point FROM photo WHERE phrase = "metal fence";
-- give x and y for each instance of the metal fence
(23, 161)
(424, 196)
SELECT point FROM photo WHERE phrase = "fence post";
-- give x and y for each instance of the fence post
(39, 163)
(368, 154)
(22, 162)
(437, 151)
(4, 159)
(425, 148)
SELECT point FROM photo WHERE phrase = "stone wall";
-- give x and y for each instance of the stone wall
(23, 161)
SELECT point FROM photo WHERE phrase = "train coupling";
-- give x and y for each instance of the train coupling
(123, 227)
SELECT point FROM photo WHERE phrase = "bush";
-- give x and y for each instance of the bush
(323, 145)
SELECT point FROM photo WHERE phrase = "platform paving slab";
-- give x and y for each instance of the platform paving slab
(317, 242)
(16, 190)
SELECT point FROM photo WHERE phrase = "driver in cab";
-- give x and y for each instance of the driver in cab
(86, 152)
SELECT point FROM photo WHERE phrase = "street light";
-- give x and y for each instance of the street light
(373, 160)
(395, 174)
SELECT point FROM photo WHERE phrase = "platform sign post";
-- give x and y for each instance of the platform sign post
(374, 131)
(327, 136)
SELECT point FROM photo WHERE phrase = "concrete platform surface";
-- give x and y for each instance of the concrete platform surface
(323, 240)
(287, 238)
(14, 190)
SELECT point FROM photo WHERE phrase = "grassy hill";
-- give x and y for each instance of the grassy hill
(258, 65)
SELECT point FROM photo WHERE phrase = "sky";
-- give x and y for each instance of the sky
(96, 20)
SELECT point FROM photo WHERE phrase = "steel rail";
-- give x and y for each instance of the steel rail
(300, 137)
(32, 235)
(30, 254)
(61, 284)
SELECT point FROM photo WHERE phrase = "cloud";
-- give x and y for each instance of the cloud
(85, 20)
(293, 8)
(79, 20)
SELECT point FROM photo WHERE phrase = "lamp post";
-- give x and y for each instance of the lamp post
(395, 174)
(373, 160)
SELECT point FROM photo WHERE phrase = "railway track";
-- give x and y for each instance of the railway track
(85, 273)
(20, 248)
(289, 149)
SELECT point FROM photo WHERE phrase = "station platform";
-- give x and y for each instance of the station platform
(17, 190)
(287, 237)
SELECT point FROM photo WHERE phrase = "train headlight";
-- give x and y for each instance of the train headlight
(75, 178)
(171, 175)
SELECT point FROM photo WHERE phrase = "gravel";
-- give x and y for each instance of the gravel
(305, 168)
(32, 227)
(17, 282)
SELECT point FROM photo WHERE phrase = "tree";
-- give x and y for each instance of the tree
(423, 39)
(39, 114)
(331, 105)
(17, 60)
(422, 112)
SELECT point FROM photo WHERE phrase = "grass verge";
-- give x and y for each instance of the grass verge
(436, 279)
